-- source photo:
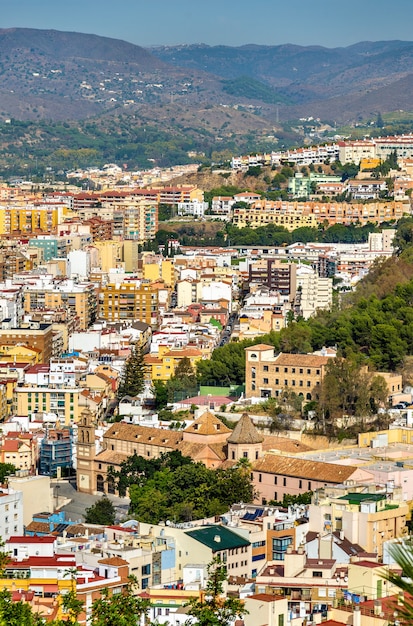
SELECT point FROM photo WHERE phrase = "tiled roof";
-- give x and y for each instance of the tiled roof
(115, 561)
(144, 434)
(304, 360)
(245, 432)
(109, 456)
(285, 444)
(218, 538)
(207, 424)
(259, 347)
(303, 468)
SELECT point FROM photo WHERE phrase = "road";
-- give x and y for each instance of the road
(79, 502)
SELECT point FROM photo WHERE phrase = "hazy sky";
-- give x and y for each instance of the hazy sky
(231, 22)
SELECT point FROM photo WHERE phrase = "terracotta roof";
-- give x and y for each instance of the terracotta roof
(114, 561)
(207, 424)
(285, 444)
(303, 468)
(109, 456)
(303, 360)
(245, 432)
(258, 347)
(38, 527)
(144, 434)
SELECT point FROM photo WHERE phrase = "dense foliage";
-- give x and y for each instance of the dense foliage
(174, 487)
(132, 379)
(102, 512)
(373, 326)
(212, 609)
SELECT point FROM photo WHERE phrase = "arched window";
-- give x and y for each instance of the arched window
(308, 396)
(100, 483)
(111, 484)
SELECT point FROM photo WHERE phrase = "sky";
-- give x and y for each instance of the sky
(328, 23)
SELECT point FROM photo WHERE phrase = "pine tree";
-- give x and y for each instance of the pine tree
(132, 381)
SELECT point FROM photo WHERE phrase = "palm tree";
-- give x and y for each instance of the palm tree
(402, 553)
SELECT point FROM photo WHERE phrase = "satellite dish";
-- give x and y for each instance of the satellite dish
(167, 523)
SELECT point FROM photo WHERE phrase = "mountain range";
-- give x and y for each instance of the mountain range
(61, 75)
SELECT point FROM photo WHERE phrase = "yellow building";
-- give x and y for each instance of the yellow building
(65, 402)
(162, 366)
(386, 437)
(110, 254)
(292, 215)
(20, 354)
(366, 518)
(130, 255)
(164, 270)
(31, 219)
(128, 301)
(80, 298)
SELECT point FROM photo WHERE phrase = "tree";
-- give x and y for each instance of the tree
(183, 383)
(213, 609)
(5, 470)
(102, 512)
(132, 380)
(121, 609)
(17, 613)
(402, 554)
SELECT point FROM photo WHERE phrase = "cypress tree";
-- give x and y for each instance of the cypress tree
(132, 380)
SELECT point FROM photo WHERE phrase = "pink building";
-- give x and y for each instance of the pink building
(275, 476)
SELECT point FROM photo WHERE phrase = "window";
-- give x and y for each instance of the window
(275, 496)
(317, 574)
(146, 569)
(309, 485)
(259, 478)
(284, 482)
(301, 370)
(300, 484)
(285, 370)
(265, 368)
(245, 455)
(275, 480)
(308, 371)
(265, 381)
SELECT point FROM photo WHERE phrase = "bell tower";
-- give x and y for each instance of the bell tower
(86, 451)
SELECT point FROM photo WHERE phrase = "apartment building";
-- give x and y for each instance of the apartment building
(33, 334)
(355, 151)
(31, 218)
(277, 276)
(78, 296)
(129, 301)
(368, 516)
(292, 215)
(264, 212)
(268, 374)
(63, 401)
(11, 513)
(313, 292)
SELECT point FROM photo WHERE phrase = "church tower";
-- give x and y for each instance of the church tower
(86, 452)
(245, 442)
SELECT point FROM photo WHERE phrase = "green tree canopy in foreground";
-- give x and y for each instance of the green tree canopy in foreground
(213, 609)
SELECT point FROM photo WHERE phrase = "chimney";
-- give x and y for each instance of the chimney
(357, 616)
